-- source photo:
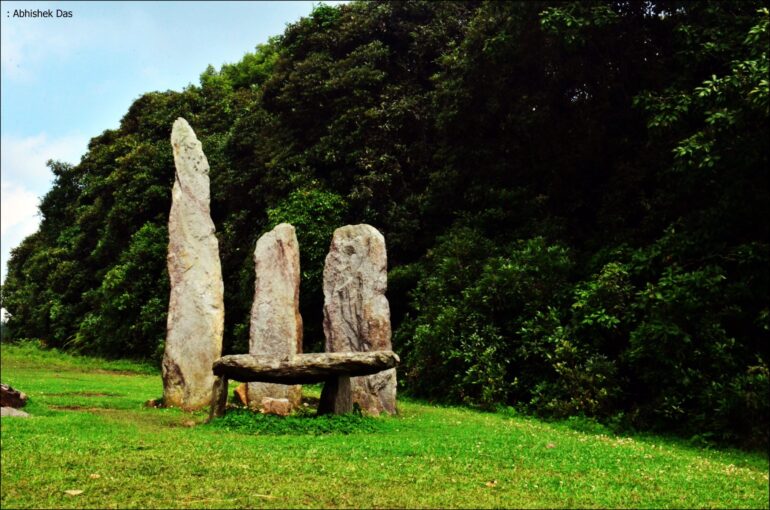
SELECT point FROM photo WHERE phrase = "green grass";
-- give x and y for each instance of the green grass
(88, 419)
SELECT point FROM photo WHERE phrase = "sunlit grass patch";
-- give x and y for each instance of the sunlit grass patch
(29, 353)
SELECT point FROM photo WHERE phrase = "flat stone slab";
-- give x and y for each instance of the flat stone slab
(303, 368)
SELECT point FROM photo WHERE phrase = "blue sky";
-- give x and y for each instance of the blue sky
(65, 80)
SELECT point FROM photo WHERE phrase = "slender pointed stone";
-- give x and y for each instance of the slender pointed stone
(196, 305)
(356, 311)
(276, 324)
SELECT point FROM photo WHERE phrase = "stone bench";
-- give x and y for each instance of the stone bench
(334, 369)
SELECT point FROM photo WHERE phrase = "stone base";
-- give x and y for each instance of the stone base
(277, 406)
(257, 392)
(336, 397)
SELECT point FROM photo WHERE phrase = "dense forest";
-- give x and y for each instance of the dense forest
(574, 197)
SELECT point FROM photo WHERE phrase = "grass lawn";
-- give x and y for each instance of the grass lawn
(90, 432)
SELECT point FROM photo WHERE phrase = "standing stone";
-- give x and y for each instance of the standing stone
(356, 311)
(276, 324)
(196, 306)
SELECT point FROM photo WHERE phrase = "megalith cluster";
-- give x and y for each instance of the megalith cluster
(356, 311)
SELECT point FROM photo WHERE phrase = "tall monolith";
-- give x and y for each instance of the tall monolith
(196, 307)
(276, 324)
(356, 311)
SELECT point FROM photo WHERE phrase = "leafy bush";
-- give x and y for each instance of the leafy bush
(580, 355)
(315, 214)
(129, 314)
(249, 422)
(467, 342)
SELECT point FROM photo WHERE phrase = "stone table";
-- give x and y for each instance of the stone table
(334, 369)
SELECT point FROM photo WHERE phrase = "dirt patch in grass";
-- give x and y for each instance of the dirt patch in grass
(141, 419)
(68, 377)
(75, 408)
(83, 394)
(117, 372)
(67, 368)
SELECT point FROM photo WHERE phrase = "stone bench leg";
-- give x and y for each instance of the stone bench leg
(336, 397)
(218, 398)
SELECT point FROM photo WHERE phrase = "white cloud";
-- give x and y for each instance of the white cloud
(18, 218)
(19, 212)
(26, 178)
(23, 158)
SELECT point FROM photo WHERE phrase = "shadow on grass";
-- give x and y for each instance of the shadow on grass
(82, 394)
(150, 420)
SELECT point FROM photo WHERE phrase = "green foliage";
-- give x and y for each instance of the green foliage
(581, 354)
(244, 421)
(466, 341)
(564, 375)
(130, 312)
(315, 215)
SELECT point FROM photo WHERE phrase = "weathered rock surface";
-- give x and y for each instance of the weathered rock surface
(336, 397)
(303, 368)
(356, 311)
(218, 397)
(276, 324)
(10, 411)
(196, 306)
(279, 406)
(240, 394)
(10, 397)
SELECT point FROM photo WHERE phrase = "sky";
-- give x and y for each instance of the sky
(66, 79)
